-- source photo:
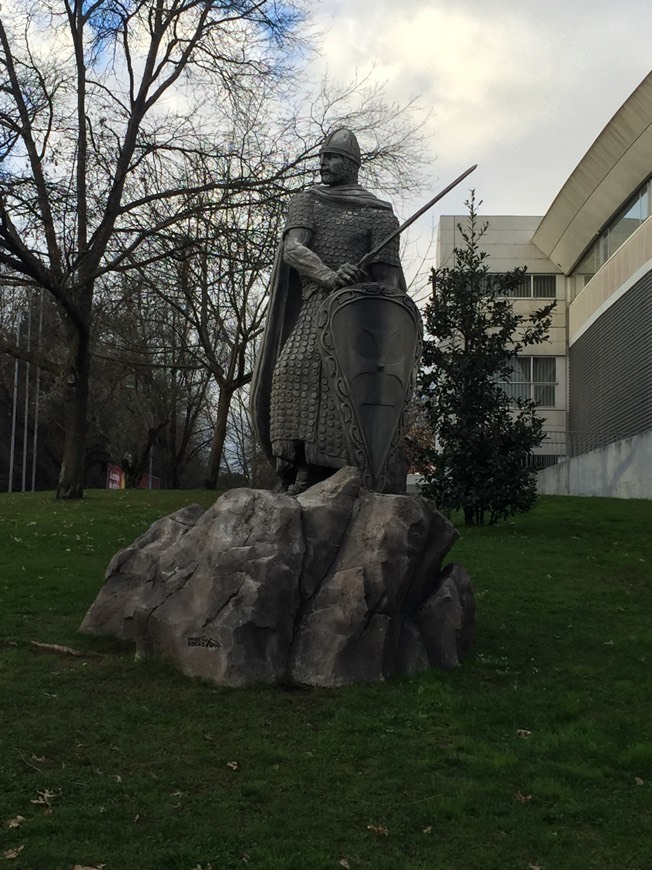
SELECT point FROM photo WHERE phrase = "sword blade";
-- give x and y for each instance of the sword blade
(367, 257)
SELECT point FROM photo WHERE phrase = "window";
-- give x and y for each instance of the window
(542, 460)
(629, 218)
(533, 377)
(534, 287)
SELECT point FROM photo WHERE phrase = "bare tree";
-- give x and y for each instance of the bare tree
(131, 131)
(220, 291)
(147, 390)
(97, 119)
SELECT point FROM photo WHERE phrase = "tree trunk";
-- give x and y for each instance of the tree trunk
(469, 516)
(219, 437)
(174, 469)
(135, 467)
(75, 395)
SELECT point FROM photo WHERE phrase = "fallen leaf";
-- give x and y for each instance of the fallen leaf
(44, 799)
(523, 798)
(12, 853)
(534, 867)
(378, 830)
(176, 793)
(89, 867)
(16, 822)
(137, 817)
(428, 830)
(117, 777)
(246, 857)
(344, 863)
(637, 780)
(522, 732)
(234, 765)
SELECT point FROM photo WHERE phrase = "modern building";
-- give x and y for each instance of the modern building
(542, 374)
(593, 251)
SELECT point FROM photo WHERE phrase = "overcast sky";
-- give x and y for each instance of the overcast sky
(520, 87)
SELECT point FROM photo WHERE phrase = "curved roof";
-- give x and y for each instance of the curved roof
(617, 163)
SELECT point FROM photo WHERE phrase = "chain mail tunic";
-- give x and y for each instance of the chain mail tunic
(304, 411)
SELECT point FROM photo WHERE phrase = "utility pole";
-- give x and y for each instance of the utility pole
(12, 451)
(37, 394)
(27, 372)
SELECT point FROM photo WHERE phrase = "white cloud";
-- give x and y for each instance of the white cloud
(521, 88)
(502, 80)
(460, 66)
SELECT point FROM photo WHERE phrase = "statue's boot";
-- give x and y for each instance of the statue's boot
(307, 476)
(287, 474)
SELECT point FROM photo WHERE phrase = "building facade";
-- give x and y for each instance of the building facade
(541, 374)
(595, 245)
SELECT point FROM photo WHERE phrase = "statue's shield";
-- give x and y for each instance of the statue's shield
(370, 339)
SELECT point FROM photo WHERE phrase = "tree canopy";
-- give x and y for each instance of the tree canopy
(479, 439)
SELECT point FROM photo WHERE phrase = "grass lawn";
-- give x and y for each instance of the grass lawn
(537, 753)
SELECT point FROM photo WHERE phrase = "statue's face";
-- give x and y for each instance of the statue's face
(334, 169)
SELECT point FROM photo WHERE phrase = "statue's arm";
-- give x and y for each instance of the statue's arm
(297, 254)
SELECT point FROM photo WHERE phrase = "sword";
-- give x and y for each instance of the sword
(367, 257)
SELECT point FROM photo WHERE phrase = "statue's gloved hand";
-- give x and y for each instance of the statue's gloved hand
(349, 274)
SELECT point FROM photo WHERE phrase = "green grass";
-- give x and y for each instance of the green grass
(130, 760)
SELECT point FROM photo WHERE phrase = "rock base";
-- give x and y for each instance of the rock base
(330, 587)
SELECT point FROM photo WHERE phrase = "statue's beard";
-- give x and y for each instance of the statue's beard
(348, 175)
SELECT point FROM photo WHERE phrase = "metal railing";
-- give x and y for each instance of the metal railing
(562, 445)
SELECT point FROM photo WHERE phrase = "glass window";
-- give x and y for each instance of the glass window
(629, 218)
(626, 222)
(519, 290)
(544, 286)
(518, 386)
(544, 380)
(533, 377)
(537, 286)
(587, 266)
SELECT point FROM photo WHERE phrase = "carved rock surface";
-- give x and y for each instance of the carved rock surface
(334, 586)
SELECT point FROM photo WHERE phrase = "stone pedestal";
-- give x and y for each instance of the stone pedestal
(330, 587)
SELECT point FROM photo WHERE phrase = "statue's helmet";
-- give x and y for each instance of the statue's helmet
(342, 142)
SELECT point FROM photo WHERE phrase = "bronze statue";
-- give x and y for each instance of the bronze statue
(342, 341)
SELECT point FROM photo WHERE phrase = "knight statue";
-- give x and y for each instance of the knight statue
(342, 339)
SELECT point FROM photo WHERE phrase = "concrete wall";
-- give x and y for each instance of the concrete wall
(620, 470)
(507, 241)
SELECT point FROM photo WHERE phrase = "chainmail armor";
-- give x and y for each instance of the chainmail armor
(303, 408)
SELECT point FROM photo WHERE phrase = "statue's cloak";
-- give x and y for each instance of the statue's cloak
(283, 309)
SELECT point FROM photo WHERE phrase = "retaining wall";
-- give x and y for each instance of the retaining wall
(619, 470)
